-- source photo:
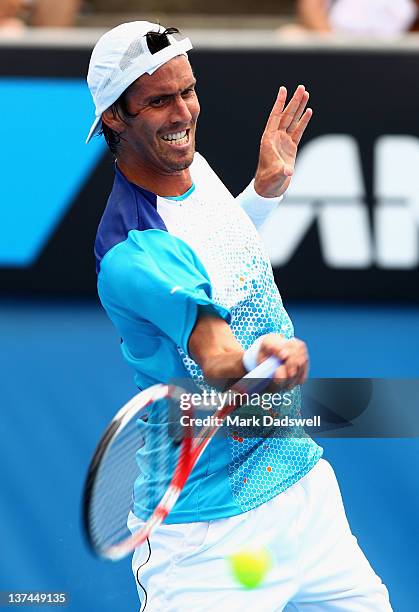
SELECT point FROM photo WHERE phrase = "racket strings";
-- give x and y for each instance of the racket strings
(133, 474)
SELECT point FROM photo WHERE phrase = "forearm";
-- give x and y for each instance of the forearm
(223, 369)
(214, 347)
(10, 8)
(53, 13)
(313, 15)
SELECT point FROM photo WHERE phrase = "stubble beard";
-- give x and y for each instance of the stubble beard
(177, 165)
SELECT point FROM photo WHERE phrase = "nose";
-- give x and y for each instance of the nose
(180, 111)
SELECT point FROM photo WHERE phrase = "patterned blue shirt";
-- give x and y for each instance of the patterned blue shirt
(158, 260)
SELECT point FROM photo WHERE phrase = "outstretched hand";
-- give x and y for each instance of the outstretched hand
(280, 140)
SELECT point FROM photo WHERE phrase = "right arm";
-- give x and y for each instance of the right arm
(10, 8)
(214, 347)
(313, 15)
(55, 14)
(167, 298)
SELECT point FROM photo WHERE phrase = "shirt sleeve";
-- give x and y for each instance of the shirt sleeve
(257, 207)
(158, 279)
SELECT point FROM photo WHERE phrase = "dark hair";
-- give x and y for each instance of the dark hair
(156, 41)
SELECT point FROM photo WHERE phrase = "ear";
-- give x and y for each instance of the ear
(113, 121)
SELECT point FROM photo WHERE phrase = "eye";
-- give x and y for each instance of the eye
(188, 92)
(156, 102)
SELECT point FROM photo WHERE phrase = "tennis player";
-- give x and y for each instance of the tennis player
(186, 281)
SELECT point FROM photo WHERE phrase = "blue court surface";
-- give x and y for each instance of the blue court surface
(62, 378)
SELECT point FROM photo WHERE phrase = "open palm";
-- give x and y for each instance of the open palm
(279, 143)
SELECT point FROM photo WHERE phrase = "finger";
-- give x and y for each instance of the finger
(303, 375)
(301, 126)
(266, 352)
(271, 346)
(291, 108)
(295, 361)
(276, 112)
(291, 366)
(286, 170)
(299, 112)
(286, 352)
(280, 376)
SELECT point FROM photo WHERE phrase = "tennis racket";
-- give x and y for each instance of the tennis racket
(144, 459)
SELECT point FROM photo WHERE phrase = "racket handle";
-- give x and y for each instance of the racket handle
(257, 379)
(266, 369)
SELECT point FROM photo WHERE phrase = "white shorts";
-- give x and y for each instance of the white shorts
(318, 565)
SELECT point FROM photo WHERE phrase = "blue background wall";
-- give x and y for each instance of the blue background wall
(62, 378)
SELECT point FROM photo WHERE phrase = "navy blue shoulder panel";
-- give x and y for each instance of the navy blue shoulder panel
(129, 208)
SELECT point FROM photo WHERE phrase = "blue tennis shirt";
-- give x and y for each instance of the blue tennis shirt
(158, 260)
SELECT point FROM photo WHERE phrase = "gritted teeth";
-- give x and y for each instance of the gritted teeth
(175, 136)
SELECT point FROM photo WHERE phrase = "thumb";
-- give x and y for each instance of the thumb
(271, 346)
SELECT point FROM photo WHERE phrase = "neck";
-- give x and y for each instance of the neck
(173, 184)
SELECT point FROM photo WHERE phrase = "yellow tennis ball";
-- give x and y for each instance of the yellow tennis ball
(250, 566)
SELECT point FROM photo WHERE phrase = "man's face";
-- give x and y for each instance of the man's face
(162, 135)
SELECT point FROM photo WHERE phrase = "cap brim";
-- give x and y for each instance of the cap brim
(97, 124)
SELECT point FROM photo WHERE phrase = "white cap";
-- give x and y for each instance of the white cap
(120, 57)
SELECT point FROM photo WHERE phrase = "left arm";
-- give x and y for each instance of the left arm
(277, 155)
(50, 13)
(256, 206)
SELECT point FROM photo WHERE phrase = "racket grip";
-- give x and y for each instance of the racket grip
(266, 369)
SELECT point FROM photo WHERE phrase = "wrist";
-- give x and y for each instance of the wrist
(250, 356)
(253, 195)
(264, 190)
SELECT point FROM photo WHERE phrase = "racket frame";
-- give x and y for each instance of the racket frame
(190, 451)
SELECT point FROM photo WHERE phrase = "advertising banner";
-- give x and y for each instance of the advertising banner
(348, 227)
